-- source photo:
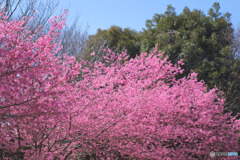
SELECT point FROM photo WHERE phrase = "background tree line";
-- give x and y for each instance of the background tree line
(207, 44)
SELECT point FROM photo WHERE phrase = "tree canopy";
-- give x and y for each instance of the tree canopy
(205, 43)
(116, 38)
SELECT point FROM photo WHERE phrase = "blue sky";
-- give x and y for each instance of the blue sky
(94, 14)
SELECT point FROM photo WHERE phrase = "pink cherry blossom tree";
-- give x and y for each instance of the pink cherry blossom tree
(143, 112)
(134, 109)
(35, 88)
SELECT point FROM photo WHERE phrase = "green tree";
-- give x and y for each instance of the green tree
(203, 41)
(115, 38)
